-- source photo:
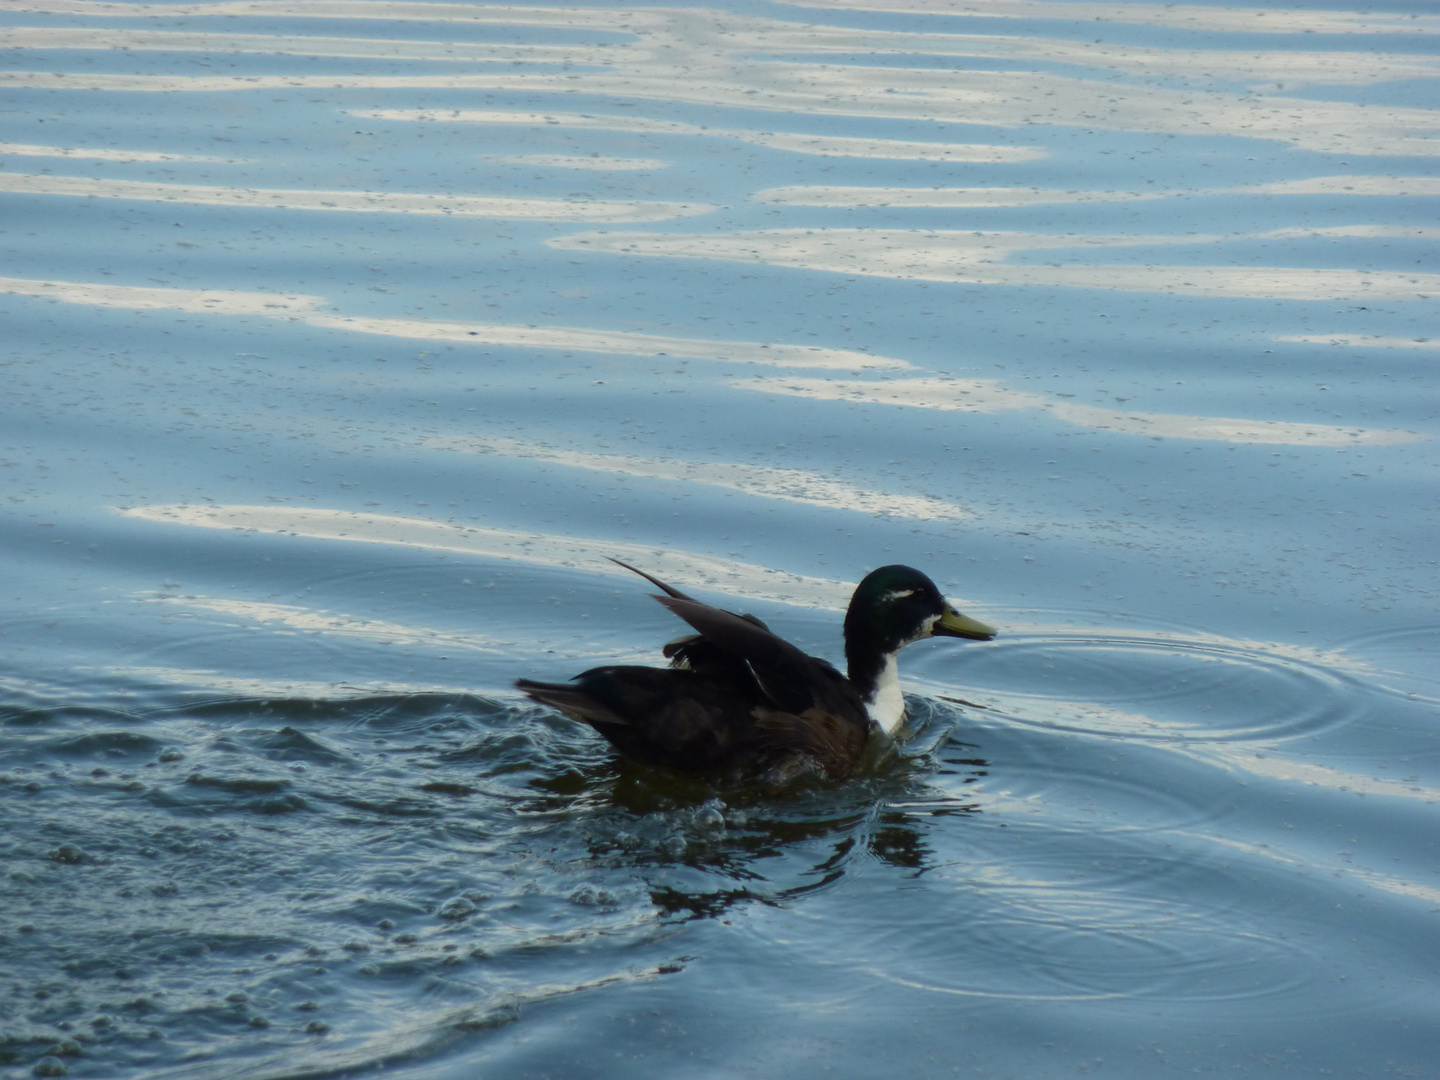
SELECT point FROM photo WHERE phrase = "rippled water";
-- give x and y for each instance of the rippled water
(345, 339)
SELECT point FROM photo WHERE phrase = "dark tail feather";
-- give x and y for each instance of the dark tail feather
(667, 589)
(574, 703)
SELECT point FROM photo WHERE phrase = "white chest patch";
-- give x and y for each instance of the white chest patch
(887, 706)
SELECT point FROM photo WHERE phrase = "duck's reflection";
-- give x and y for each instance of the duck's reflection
(705, 848)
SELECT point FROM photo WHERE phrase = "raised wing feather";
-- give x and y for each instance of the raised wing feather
(667, 589)
(788, 677)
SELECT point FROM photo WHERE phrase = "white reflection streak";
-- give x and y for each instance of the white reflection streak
(614, 342)
(1198, 17)
(889, 149)
(1228, 429)
(791, 485)
(1278, 768)
(995, 995)
(719, 59)
(759, 37)
(590, 162)
(438, 11)
(540, 549)
(991, 98)
(1360, 341)
(298, 45)
(939, 197)
(1178, 16)
(476, 206)
(836, 197)
(816, 145)
(1341, 185)
(97, 154)
(303, 308)
(310, 621)
(980, 258)
(1384, 882)
(965, 395)
(204, 681)
(1292, 68)
(988, 396)
(146, 298)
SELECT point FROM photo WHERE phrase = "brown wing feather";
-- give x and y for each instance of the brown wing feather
(834, 742)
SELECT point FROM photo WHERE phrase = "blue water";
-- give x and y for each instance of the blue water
(342, 344)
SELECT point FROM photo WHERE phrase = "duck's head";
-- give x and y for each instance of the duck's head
(896, 605)
(892, 607)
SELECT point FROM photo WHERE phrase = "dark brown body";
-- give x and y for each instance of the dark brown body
(739, 697)
(686, 720)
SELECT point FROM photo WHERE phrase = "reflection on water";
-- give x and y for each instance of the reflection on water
(819, 195)
(420, 870)
(541, 549)
(301, 307)
(718, 58)
(758, 480)
(989, 395)
(388, 843)
(984, 258)
(820, 145)
(346, 340)
(348, 201)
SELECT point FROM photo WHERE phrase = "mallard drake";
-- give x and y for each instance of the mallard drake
(738, 697)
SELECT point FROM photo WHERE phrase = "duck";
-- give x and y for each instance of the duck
(739, 698)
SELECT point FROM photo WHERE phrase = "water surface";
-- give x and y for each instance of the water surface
(345, 340)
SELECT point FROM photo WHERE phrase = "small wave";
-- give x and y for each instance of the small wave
(1160, 686)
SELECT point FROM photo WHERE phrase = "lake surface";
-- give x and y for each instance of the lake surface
(343, 341)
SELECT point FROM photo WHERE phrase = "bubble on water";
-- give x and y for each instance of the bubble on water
(457, 908)
(710, 815)
(592, 896)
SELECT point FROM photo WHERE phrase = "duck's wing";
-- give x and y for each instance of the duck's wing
(831, 741)
(789, 678)
(669, 590)
(693, 651)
